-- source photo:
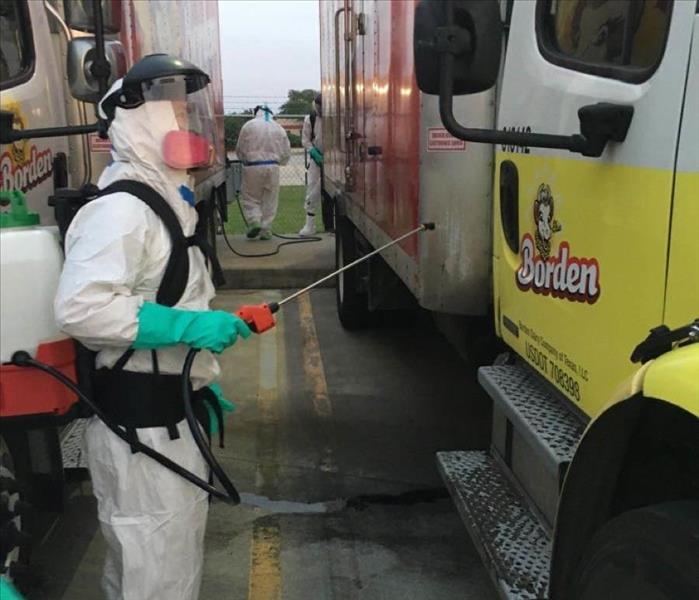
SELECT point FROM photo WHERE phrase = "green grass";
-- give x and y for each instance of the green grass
(290, 214)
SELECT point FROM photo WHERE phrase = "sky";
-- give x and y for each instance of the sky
(267, 48)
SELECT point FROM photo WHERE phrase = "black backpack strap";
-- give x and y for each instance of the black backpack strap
(177, 269)
(313, 126)
(176, 273)
(206, 213)
(202, 243)
(170, 418)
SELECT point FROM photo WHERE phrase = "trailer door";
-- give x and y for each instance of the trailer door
(581, 244)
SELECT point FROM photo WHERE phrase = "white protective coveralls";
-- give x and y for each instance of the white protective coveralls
(261, 140)
(116, 253)
(309, 139)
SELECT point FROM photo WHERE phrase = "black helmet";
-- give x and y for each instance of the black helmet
(150, 68)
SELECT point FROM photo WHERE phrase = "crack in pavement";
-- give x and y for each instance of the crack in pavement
(359, 502)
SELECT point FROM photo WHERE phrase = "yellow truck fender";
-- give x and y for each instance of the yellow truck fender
(674, 378)
(642, 449)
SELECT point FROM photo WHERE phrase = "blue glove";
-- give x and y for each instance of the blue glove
(161, 326)
(316, 155)
(225, 405)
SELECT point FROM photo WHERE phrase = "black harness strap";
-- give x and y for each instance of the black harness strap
(151, 390)
(202, 243)
(176, 273)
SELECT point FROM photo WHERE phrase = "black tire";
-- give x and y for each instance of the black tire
(352, 302)
(649, 553)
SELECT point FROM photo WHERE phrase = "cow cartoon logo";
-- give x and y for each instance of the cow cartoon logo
(559, 274)
(546, 225)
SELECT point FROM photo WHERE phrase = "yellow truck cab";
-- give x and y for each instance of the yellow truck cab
(590, 488)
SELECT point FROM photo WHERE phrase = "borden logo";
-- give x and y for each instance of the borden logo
(562, 275)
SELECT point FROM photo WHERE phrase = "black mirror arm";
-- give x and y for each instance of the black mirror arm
(9, 135)
(574, 143)
(100, 68)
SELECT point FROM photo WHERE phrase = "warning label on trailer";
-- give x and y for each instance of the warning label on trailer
(97, 144)
(440, 140)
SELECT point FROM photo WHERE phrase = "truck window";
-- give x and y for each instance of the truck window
(16, 51)
(620, 39)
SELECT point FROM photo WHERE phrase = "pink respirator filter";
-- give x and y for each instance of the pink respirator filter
(186, 150)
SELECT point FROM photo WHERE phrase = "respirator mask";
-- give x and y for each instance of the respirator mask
(191, 145)
(161, 78)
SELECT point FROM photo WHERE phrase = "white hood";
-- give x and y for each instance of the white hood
(137, 137)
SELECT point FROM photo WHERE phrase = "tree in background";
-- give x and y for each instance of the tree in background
(232, 125)
(298, 103)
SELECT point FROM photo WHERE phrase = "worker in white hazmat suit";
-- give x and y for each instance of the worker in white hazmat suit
(117, 249)
(262, 146)
(312, 140)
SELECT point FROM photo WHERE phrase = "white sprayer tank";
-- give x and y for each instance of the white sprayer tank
(30, 266)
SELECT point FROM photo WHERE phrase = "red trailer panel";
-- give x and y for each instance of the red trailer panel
(390, 164)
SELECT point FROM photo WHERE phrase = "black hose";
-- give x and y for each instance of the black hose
(290, 239)
(199, 438)
(23, 359)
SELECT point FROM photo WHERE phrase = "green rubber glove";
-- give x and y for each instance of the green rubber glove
(161, 326)
(8, 591)
(316, 155)
(226, 407)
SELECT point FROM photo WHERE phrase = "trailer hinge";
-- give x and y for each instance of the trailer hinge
(361, 24)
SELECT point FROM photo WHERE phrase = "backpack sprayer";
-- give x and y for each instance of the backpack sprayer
(259, 318)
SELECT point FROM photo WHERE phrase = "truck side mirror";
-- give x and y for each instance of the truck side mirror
(457, 46)
(470, 32)
(80, 15)
(82, 54)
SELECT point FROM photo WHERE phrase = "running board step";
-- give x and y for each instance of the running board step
(536, 411)
(72, 445)
(514, 546)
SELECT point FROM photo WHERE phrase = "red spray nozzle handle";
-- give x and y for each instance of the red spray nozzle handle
(258, 316)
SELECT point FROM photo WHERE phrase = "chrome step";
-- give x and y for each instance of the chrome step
(536, 411)
(72, 447)
(514, 546)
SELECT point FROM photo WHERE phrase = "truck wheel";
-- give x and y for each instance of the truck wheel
(644, 554)
(11, 535)
(352, 303)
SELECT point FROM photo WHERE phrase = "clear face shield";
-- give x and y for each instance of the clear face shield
(191, 145)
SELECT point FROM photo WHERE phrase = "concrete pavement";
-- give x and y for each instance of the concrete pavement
(332, 446)
(294, 266)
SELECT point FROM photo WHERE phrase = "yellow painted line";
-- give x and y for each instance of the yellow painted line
(312, 360)
(265, 576)
(315, 376)
(265, 567)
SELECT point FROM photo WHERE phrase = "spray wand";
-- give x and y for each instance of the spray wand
(259, 316)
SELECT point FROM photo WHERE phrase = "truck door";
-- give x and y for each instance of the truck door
(31, 88)
(581, 244)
